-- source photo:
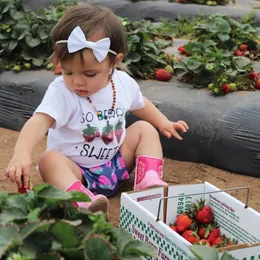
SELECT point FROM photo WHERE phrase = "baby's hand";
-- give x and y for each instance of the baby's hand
(20, 164)
(170, 129)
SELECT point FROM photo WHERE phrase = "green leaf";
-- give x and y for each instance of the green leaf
(223, 37)
(5, 36)
(7, 7)
(122, 237)
(180, 65)
(134, 56)
(51, 193)
(247, 28)
(209, 43)
(96, 248)
(15, 14)
(64, 230)
(7, 236)
(30, 228)
(204, 252)
(193, 64)
(241, 63)
(227, 256)
(12, 214)
(138, 248)
(22, 35)
(42, 34)
(50, 256)
(37, 62)
(32, 42)
(12, 44)
(33, 215)
(17, 201)
(133, 38)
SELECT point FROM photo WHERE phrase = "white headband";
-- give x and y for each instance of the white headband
(77, 41)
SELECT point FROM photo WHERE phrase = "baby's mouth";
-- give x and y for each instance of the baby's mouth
(82, 92)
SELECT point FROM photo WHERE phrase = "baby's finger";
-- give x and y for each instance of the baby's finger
(179, 126)
(26, 174)
(184, 124)
(11, 172)
(167, 133)
(176, 135)
(18, 176)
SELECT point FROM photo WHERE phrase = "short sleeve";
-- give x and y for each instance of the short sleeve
(57, 103)
(136, 95)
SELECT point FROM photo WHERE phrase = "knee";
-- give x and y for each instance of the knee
(145, 128)
(47, 159)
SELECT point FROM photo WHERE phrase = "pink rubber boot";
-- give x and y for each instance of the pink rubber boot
(99, 202)
(148, 172)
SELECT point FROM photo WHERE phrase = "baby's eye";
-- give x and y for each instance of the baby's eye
(67, 73)
(90, 75)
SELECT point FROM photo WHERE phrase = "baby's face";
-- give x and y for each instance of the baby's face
(89, 77)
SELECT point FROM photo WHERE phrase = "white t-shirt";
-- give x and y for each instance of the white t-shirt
(78, 132)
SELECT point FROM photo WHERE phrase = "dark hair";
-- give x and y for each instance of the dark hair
(90, 19)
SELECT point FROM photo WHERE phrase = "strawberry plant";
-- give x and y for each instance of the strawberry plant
(24, 34)
(227, 33)
(207, 65)
(146, 43)
(45, 225)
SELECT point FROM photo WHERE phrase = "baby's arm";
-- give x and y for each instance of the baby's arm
(152, 114)
(32, 133)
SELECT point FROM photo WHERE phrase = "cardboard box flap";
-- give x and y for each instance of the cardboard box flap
(149, 199)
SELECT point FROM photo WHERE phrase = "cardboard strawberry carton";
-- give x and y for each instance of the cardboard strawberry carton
(140, 215)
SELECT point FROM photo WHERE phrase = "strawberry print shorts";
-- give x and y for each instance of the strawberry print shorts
(107, 178)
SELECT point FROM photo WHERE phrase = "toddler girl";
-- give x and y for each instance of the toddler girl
(88, 148)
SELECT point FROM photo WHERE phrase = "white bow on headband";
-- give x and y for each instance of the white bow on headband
(77, 41)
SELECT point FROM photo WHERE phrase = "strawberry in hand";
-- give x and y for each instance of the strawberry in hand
(23, 190)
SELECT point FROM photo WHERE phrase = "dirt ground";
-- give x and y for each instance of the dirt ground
(175, 173)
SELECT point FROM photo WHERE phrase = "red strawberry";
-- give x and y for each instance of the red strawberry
(23, 190)
(163, 75)
(183, 222)
(204, 215)
(181, 46)
(174, 228)
(90, 133)
(179, 1)
(183, 51)
(217, 242)
(118, 131)
(203, 242)
(257, 84)
(191, 236)
(107, 134)
(253, 76)
(243, 47)
(202, 232)
(226, 88)
(213, 235)
(238, 53)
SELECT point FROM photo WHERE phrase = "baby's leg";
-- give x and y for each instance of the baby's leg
(56, 169)
(142, 147)
(60, 171)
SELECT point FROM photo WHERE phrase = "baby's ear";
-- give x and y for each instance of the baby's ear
(119, 58)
